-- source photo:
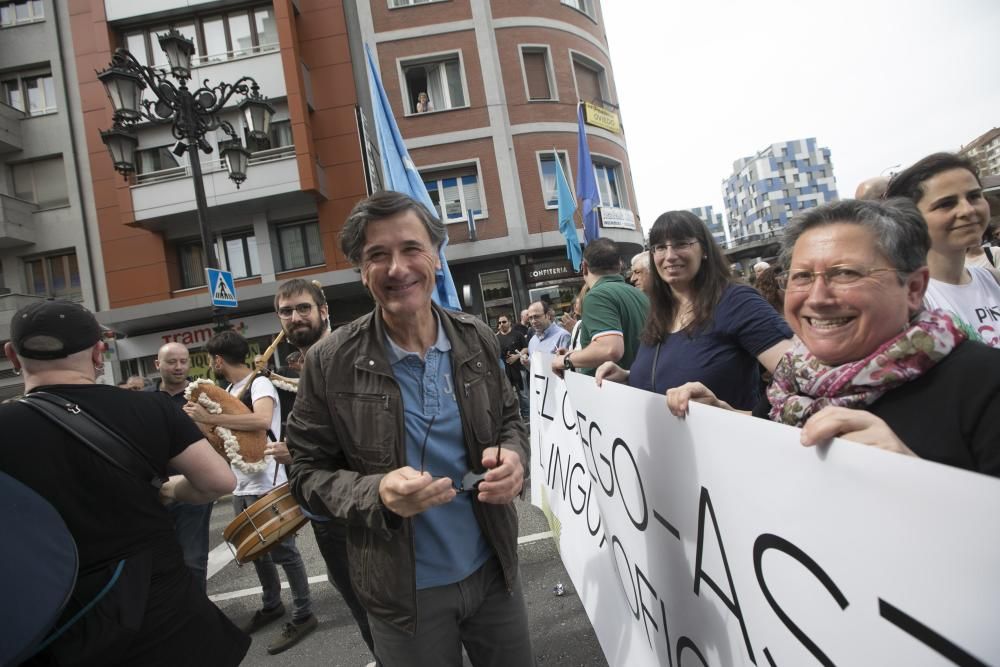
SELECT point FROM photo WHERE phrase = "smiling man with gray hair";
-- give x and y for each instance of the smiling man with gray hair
(406, 429)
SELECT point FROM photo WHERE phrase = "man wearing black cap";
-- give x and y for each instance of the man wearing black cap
(134, 602)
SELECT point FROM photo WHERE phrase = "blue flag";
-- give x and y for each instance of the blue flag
(586, 184)
(402, 176)
(567, 207)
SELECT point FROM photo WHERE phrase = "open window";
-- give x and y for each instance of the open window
(434, 83)
(610, 183)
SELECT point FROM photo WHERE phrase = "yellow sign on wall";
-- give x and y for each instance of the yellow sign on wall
(601, 117)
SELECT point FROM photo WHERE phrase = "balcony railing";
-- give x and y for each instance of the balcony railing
(215, 58)
(174, 173)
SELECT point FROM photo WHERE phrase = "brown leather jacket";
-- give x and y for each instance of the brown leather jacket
(347, 430)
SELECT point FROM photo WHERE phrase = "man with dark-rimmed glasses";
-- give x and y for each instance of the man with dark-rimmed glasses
(305, 318)
(405, 428)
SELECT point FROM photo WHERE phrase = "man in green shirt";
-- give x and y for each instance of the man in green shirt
(614, 313)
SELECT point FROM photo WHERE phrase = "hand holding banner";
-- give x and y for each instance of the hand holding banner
(719, 539)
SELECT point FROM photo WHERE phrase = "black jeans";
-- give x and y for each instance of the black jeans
(331, 537)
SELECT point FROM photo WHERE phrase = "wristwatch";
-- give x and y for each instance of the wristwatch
(567, 364)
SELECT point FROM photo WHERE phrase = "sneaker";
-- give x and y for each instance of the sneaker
(292, 634)
(263, 617)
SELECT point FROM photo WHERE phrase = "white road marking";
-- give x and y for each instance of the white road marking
(527, 539)
(220, 556)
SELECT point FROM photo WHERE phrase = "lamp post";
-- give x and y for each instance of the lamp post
(191, 114)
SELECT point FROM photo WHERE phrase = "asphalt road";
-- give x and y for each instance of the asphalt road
(560, 631)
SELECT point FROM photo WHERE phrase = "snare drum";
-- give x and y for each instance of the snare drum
(260, 527)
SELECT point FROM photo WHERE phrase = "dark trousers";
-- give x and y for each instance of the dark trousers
(477, 613)
(331, 537)
(191, 524)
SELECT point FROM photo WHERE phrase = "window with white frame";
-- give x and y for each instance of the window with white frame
(150, 161)
(53, 275)
(434, 83)
(610, 184)
(584, 6)
(41, 181)
(279, 136)
(547, 169)
(455, 192)
(299, 245)
(393, 4)
(216, 37)
(33, 93)
(589, 76)
(20, 11)
(239, 254)
(538, 77)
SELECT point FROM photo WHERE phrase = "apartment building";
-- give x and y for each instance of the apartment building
(44, 191)
(503, 80)
(765, 190)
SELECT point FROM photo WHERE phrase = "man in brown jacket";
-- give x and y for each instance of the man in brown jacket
(406, 428)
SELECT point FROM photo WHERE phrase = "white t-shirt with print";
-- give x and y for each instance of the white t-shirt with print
(257, 484)
(976, 304)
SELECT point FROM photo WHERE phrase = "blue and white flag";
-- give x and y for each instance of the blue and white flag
(400, 174)
(567, 207)
(586, 184)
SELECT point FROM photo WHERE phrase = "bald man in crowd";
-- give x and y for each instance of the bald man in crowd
(872, 188)
(191, 522)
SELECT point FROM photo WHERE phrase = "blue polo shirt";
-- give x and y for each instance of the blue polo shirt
(551, 339)
(448, 544)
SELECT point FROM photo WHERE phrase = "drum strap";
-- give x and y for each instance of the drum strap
(104, 442)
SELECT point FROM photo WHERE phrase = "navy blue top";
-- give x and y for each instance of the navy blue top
(722, 355)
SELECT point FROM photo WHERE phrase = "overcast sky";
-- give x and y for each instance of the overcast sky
(878, 82)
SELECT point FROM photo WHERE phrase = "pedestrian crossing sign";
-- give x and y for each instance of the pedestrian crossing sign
(221, 288)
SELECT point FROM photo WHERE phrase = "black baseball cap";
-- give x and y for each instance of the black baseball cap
(53, 329)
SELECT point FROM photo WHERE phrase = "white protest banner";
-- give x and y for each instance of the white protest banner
(720, 540)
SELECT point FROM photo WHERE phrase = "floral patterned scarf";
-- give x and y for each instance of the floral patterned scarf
(804, 385)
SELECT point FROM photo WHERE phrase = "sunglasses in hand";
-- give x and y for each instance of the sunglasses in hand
(470, 481)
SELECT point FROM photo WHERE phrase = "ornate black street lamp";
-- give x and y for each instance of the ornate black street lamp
(192, 114)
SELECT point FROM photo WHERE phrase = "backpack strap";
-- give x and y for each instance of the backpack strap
(101, 440)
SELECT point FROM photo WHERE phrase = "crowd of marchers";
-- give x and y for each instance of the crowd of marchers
(402, 435)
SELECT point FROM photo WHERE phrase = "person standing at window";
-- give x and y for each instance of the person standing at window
(424, 103)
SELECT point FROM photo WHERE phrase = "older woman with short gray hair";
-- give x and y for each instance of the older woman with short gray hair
(870, 364)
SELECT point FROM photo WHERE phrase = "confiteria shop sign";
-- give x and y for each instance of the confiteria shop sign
(552, 270)
(196, 336)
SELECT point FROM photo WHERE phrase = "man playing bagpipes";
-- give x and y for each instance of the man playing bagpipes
(257, 474)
